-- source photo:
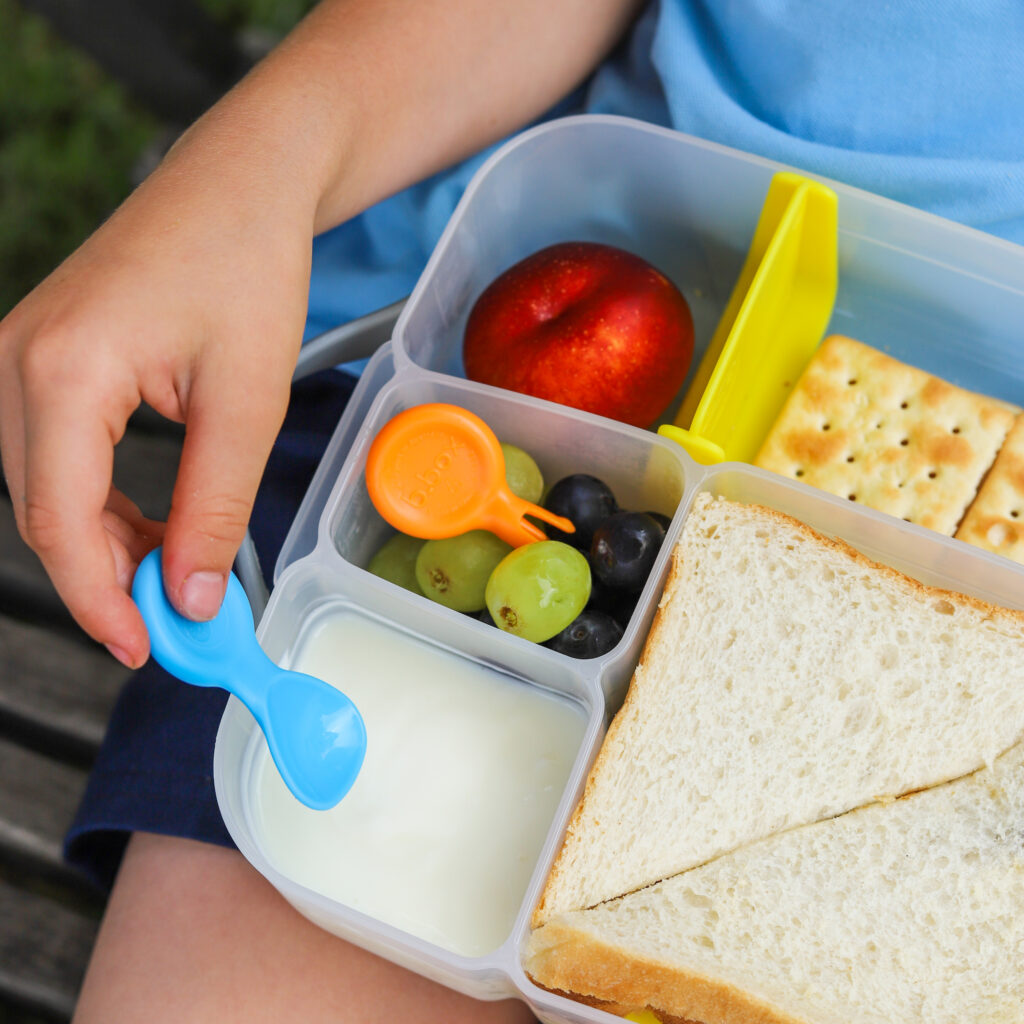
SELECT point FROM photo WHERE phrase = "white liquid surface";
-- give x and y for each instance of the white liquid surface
(464, 770)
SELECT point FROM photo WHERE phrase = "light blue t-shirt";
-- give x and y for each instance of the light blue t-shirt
(918, 100)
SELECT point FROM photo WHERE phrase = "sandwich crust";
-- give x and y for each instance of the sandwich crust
(574, 963)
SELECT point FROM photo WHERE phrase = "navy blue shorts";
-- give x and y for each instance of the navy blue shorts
(154, 772)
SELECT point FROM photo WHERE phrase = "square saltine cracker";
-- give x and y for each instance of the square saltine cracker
(867, 427)
(995, 520)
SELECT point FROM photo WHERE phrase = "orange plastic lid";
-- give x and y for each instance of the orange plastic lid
(437, 470)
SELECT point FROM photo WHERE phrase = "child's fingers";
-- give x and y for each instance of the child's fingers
(130, 534)
(68, 465)
(12, 438)
(231, 425)
(138, 533)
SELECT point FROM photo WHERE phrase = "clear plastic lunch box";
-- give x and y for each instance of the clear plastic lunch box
(940, 296)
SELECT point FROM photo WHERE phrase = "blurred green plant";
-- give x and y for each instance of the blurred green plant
(70, 137)
(273, 16)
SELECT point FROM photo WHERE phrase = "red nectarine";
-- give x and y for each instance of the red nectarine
(587, 325)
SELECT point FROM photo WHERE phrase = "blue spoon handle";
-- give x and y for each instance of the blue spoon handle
(223, 652)
(315, 734)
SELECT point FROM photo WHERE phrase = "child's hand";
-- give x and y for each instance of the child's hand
(190, 298)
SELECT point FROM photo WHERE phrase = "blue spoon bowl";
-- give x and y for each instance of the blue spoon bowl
(315, 733)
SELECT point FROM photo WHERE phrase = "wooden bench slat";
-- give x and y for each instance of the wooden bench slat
(57, 689)
(37, 803)
(44, 949)
(56, 684)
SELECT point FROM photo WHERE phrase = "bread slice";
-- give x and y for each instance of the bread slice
(910, 911)
(864, 426)
(786, 679)
(995, 520)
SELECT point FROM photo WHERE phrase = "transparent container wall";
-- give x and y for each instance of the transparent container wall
(463, 634)
(939, 296)
(301, 538)
(644, 471)
(946, 298)
(687, 207)
(926, 556)
(308, 590)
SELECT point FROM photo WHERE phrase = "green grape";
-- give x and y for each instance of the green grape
(537, 590)
(454, 571)
(395, 561)
(522, 474)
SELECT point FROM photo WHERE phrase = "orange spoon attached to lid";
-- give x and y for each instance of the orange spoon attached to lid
(437, 470)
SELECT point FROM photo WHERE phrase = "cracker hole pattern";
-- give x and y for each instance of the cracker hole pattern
(997, 534)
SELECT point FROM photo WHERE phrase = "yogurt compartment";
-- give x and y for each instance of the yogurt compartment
(474, 753)
(464, 770)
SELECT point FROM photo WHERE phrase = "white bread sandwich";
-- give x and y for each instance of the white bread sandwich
(787, 679)
(909, 912)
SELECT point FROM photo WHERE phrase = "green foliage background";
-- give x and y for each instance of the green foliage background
(70, 138)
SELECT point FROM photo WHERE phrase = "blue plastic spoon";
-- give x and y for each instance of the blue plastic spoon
(315, 733)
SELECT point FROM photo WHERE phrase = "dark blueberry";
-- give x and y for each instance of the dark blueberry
(484, 615)
(664, 521)
(602, 598)
(624, 548)
(589, 635)
(619, 604)
(586, 501)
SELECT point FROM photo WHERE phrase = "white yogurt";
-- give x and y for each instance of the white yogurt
(464, 769)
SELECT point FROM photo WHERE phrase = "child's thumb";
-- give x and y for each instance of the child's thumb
(226, 448)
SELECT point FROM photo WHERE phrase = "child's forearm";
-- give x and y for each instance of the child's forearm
(368, 96)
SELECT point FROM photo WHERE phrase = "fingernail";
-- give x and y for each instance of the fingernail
(121, 654)
(201, 595)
